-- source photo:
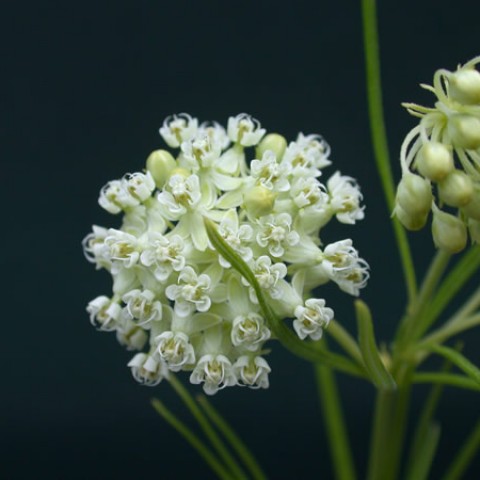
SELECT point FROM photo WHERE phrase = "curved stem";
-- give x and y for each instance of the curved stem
(379, 137)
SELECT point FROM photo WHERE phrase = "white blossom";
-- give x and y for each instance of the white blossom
(312, 318)
(252, 371)
(275, 233)
(215, 372)
(175, 349)
(269, 173)
(307, 155)
(178, 128)
(249, 331)
(104, 312)
(148, 369)
(142, 307)
(245, 130)
(345, 198)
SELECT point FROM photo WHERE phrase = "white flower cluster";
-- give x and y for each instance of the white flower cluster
(440, 160)
(175, 295)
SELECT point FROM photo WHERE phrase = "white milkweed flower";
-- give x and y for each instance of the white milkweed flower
(343, 265)
(186, 307)
(178, 128)
(249, 331)
(275, 233)
(164, 254)
(142, 307)
(192, 292)
(175, 349)
(252, 371)
(269, 173)
(345, 198)
(312, 318)
(148, 369)
(245, 130)
(104, 312)
(215, 372)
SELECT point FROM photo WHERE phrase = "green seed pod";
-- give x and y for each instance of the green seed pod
(410, 222)
(472, 208)
(464, 131)
(434, 161)
(414, 194)
(464, 86)
(160, 163)
(456, 189)
(259, 201)
(449, 232)
(274, 142)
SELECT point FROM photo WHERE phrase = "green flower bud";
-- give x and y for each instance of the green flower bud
(464, 131)
(449, 232)
(179, 171)
(472, 208)
(259, 201)
(464, 86)
(434, 161)
(409, 221)
(414, 195)
(160, 163)
(274, 142)
(456, 189)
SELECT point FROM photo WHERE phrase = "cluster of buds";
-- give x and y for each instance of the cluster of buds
(440, 161)
(178, 301)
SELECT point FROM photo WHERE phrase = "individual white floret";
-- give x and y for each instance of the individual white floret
(180, 194)
(175, 349)
(178, 128)
(216, 132)
(252, 371)
(139, 185)
(131, 336)
(200, 152)
(142, 307)
(215, 372)
(307, 155)
(245, 130)
(148, 369)
(312, 318)
(94, 247)
(165, 254)
(275, 233)
(267, 275)
(104, 312)
(345, 198)
(269, 173)
(237, 236)
(192, 293)
(123, 249)
(249, 331)
(114, 197)
(343, 265)
(309, 192)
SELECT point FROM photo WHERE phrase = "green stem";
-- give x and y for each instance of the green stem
(379, 137)
(192, 439)
(465, 455)
(236, 443)
(346, 341)
(216, 441)
(334, 423)
(452, 379)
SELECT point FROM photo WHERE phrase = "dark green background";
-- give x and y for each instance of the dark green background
(85, 88)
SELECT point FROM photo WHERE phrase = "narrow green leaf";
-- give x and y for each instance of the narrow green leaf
(459, 360)
(380, 376)
(460, 381)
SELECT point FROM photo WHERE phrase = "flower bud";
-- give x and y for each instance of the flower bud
(434, 161)
(456, 189)
(464, 86)
(160, 163)
(414, 194)
(464, 131)
(449, 232)
(179, 171)
(274, 142)
(259, 201)
(409, 221)
(472, 208)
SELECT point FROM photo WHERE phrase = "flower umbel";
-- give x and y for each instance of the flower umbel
(177, 295)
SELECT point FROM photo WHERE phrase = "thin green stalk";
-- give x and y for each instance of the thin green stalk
(421, 303)
(330, 403)
(453, 283)
(237, 444)
(465, 455)
(202, 420)
(452, 379)
(379, 137)
(193, 440)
